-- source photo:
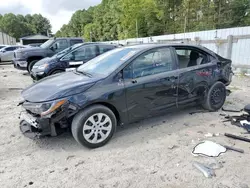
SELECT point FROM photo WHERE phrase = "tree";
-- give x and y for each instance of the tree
(40, 24)
(19, 26)
(120, 19)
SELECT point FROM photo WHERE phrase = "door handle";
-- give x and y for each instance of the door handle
(134, 81)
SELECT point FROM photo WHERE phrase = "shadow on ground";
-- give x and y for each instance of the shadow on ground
(135, 133)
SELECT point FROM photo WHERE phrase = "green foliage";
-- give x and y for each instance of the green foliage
(119, 19)
(19, 26)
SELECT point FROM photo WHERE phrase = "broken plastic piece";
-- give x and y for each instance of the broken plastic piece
(207, 172)
(209, 148)
(209, 135)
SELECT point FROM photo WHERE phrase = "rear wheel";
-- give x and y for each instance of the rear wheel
(94, 126)
(31, 64)
(215, 97)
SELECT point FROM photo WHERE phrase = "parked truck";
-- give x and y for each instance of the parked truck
(24, 59)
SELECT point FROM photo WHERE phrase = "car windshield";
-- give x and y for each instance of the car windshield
(47, 43)
(108, 62)
(62, 53)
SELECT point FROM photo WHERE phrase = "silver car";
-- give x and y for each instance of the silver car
(7, 53)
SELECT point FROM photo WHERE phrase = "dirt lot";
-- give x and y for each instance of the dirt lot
(152, 153)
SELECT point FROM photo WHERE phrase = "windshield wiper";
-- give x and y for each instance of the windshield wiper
(84, 73)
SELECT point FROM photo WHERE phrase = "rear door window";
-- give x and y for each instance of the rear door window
(105, 48)
(189, 57)
(75, 41)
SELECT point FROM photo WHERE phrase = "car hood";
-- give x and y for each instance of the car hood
(45, 60)
(58, 86)
(33, 49)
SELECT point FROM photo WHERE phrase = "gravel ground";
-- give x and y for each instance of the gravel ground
(155, 152)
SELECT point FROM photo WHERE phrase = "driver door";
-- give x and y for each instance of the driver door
(58, 46)
(151, 83)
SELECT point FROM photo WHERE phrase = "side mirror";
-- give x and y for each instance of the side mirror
(52, 48)
(3, 51)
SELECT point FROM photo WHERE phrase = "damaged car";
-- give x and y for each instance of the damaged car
(122, 86)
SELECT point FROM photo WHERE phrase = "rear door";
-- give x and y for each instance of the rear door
(151, 83)
(197, 71)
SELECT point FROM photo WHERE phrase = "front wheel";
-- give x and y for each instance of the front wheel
(94, 126)
(215, 98)
(31, 64)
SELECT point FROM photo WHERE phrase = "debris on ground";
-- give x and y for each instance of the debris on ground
(209, 148)
(172, 147)
(70, 156)
(212, 135)
(237, 137)
(207, 172)
(209, 135)
(234, 149)
(215, 165)
(79, 163)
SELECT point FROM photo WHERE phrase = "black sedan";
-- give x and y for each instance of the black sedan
(68, 59)
(122, 86)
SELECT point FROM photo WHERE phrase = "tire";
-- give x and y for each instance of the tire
(215, 98)
(91, 137)
(56, 72)
(31, 64)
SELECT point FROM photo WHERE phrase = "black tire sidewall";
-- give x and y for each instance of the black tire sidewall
(82, 116)
(207, 103)
(31, 64)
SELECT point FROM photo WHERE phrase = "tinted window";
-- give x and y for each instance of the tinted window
(90, 52)
(72, 42)
(105, 48)
(81, 54)
(65, 51)
(61, 44)
(189, 57)
(10, 48)
(153, 62)
(108, 62)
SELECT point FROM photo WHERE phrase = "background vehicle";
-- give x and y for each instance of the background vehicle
(68, 59)
(2, 46)
(26, 58)
(7, 53)
(122, 86)
(35, 44)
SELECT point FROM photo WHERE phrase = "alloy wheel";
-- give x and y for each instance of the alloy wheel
(97, 128)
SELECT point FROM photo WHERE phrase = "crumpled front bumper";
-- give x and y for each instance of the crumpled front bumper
(33, 127)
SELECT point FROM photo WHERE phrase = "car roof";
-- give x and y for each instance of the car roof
(78, 38)
(149, 46)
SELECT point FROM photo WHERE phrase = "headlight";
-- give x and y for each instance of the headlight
(42, 67)
(44, 109)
